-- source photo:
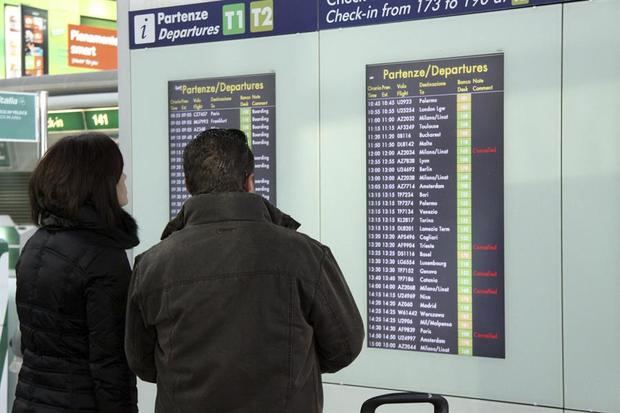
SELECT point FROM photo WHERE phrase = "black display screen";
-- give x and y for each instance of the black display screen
(247, 103)
(435, 205)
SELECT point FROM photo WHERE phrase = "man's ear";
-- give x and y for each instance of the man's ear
(248, 184)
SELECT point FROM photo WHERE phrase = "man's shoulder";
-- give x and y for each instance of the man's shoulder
(295, 241)
(160, 249)
(189, 245)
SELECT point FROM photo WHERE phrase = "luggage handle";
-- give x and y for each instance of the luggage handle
(439, 403)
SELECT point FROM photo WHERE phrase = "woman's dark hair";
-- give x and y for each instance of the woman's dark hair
(76, 171)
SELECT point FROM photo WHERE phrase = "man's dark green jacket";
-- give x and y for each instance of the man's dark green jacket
(236, 312)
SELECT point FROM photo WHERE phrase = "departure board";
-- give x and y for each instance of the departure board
(247, 103)
(435, 205)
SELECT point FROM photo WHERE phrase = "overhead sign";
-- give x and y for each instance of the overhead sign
(65, 121)
(240, 19)
(217, 21)
(101, 119)
(347, 13)
(82, 120)
(92, 47)
(18, 117)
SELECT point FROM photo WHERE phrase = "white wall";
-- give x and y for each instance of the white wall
(561, 186)
(348, 399)
(591, 189)
(532, 369)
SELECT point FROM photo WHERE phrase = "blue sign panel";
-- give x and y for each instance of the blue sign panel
(348, 13)
(218, 21)
(241, 19)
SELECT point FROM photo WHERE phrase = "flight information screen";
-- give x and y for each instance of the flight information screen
(435, 205)
(247, 103)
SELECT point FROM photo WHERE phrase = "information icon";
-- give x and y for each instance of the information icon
(144, 28)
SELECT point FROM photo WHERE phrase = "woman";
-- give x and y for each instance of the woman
(72, 280)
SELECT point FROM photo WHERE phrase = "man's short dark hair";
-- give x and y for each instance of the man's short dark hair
(218, 160)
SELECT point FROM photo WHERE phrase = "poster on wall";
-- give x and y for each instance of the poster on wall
(435, 205)
(246, 102)
(12, 41)
(57, 37)
(92, 47)
(35, 53)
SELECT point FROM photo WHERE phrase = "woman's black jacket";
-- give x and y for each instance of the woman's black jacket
(72, 281)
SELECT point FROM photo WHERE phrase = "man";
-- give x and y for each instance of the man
(234, 311)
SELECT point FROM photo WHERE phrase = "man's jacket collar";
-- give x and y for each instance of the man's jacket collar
(228, 206)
